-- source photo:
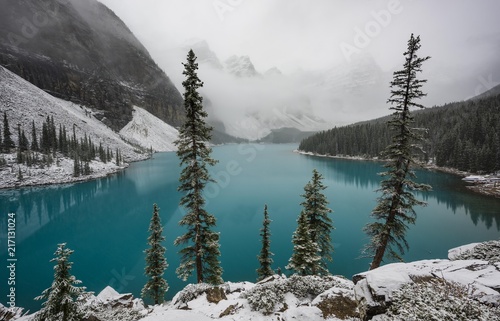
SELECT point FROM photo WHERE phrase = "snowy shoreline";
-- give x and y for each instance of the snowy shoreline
(57, 174)
(483, 187)
(417, 290)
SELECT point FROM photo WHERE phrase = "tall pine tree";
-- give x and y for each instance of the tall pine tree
(320, 224)
(201, 244)
(394, 210)
(8, 143)
(157, 286)
(64, 297)
(305, 259)
(265, 259)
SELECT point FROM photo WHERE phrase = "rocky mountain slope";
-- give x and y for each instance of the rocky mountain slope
(82, 52)
(25, 103)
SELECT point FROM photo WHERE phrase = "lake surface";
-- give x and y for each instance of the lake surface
(106, 221)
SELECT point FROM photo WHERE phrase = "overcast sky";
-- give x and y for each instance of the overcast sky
(463, 37)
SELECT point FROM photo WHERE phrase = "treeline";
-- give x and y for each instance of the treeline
(463, 135)
(54, 142)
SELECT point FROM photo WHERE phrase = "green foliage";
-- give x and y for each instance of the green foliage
(264, 257)
(305, 258)
(63, 300)
(201, 244)
(462, 135)
(394, 210)
(320, 224)
(156, 286)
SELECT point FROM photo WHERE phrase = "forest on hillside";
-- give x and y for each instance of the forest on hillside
(462, 135)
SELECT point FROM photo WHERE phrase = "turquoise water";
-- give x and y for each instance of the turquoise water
(105, 221)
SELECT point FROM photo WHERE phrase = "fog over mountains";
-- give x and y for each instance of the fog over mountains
(303, 44)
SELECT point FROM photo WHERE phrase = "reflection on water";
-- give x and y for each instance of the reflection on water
(105, 221)
(448, 189)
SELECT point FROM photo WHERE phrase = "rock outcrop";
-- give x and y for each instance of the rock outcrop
(478, 279)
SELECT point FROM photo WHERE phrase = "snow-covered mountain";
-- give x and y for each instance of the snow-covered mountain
(149, 132)
(82, 52)
(24, 103)
(240, 66)
(251, 103)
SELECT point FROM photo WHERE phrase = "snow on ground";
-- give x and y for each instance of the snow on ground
(24, 103)
(376, 289)
(453, 289)
(61, 171)
(148, 131)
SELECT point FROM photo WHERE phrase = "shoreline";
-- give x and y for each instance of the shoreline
(58, 174)
(485, 188)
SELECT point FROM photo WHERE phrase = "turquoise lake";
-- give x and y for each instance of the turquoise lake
(106, 221)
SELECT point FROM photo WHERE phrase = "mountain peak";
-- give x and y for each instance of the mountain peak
(240, 66)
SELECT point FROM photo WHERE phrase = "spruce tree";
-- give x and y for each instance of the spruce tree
(34, 139)
(63, 299)
(305, 259)
(156, 286)
(320, 224)
(265, 259)
(201, 244)
(395, 208)
(8, 143)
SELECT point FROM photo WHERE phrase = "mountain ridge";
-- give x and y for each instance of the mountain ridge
(81, 51)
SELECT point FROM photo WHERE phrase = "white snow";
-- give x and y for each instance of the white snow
(457, 251)
(24, 103)
(148, 131)
(107, 294)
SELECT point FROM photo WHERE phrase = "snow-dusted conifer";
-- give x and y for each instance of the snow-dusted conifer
(63, 299)
(265, 259)
(201, 244)
(34, 139)
(394, 210)
(320, 224)
(305, 259)
(8, 143)
(157, 286)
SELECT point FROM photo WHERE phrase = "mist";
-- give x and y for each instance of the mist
(336, 58)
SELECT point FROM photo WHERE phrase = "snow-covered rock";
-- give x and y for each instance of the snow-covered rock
(488, 251)
(148, 131)
(375, 289)
(275, 298)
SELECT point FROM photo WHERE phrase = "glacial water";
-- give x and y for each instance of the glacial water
(106, 221)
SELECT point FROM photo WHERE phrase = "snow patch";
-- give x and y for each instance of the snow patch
(148, 131)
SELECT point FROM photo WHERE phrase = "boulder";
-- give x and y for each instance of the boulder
(374, 289)
(215, 295)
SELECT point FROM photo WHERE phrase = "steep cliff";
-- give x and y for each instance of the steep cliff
(81, 51)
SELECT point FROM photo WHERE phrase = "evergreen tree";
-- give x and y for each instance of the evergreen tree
(76, 166)
(8, 143)
(320, 225)
(305, 258)
(394, 210)
(156, 287)
(34, 139)
(62, 298)
(117, 160)
(265, 259)
(201, 244)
